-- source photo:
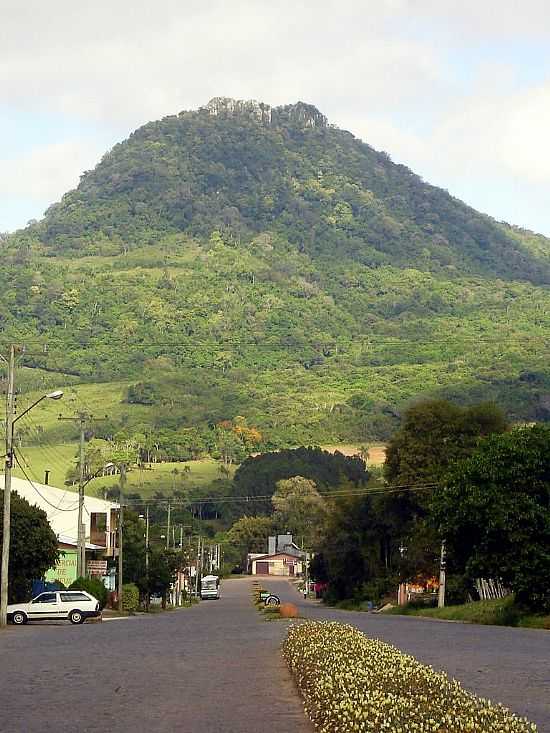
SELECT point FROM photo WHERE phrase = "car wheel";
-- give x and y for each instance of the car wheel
(76, 617)
(18, 618)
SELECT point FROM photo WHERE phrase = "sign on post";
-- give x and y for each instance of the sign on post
(97, 567)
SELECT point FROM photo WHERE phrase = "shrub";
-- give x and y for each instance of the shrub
(352, 683)
(130, 597)
(93, 586)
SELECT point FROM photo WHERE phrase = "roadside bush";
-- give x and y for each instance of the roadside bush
(94, 587)
(352, 683)
(130, 597)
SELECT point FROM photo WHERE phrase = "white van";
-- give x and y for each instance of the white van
(210, 587)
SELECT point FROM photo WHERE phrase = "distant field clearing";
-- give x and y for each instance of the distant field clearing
(377, 453)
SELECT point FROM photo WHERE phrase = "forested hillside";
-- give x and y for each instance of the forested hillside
(244, 260)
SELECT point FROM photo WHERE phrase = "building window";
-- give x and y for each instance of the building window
(98, 528)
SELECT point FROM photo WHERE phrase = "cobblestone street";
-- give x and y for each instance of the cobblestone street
(213, 668)
(216, 668)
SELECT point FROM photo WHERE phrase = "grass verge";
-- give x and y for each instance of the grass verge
(355, 684)
(499, 612)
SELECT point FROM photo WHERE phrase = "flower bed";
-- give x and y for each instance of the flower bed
(352, 683)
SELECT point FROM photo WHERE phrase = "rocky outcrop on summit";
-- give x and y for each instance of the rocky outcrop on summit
(220, 106)
(299, 114)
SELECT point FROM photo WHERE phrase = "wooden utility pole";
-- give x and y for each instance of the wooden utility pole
(6, 526)
(442, 575)
(11, 419)
(168, 529)
(81, 418)
(147, 594)
(197, 566)
(120, 524)
(81, 565)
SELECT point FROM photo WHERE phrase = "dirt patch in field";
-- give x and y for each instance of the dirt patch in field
(376, 456)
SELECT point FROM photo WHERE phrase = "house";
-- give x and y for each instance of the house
(283, 558)
(281, 563)
(61, 508)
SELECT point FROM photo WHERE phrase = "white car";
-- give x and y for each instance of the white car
(75, 605)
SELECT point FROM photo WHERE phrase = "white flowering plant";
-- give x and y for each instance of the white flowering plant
(353, 683)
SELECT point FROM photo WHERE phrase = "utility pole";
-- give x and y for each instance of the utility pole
(442, 574)
(147, 556)
(81, 418)
(11, 419)
(120, 523)
(197, 571)
(10, 414)
(81, 561)
(168, 529)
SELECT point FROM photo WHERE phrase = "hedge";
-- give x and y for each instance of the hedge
(352, 683)
(130, 597)
(94, 587)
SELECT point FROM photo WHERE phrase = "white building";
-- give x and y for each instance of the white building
(61, 507)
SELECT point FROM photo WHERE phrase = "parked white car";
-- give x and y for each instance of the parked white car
(74, 605)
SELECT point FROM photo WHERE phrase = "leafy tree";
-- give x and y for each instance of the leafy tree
(250, 534)
(299, 508)
(258, 475)
(163, 565)
(33, 546)
(494, 512)
(133, 567)
(350, 548)
(433, 434)
(228, 445)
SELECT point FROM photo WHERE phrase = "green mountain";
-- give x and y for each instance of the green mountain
(257, 261)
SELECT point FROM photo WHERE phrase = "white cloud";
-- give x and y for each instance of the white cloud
(402, 74)
(127, 62)
(49, 171)
(503, 135)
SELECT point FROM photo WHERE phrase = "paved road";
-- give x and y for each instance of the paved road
(214, 668)
(511, 666)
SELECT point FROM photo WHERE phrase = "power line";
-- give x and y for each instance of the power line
(57, 508)
(28, 464)
(336, 493)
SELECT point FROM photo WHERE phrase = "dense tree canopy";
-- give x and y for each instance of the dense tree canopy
(494, 512)
(258, 475)
(33, 546)
(435, 433)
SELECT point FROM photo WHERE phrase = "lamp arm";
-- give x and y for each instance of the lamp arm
(29, 409)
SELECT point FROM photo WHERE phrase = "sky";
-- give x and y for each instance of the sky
(458, 91)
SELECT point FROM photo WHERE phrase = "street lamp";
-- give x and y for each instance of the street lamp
(10, 425)
(57, 395)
